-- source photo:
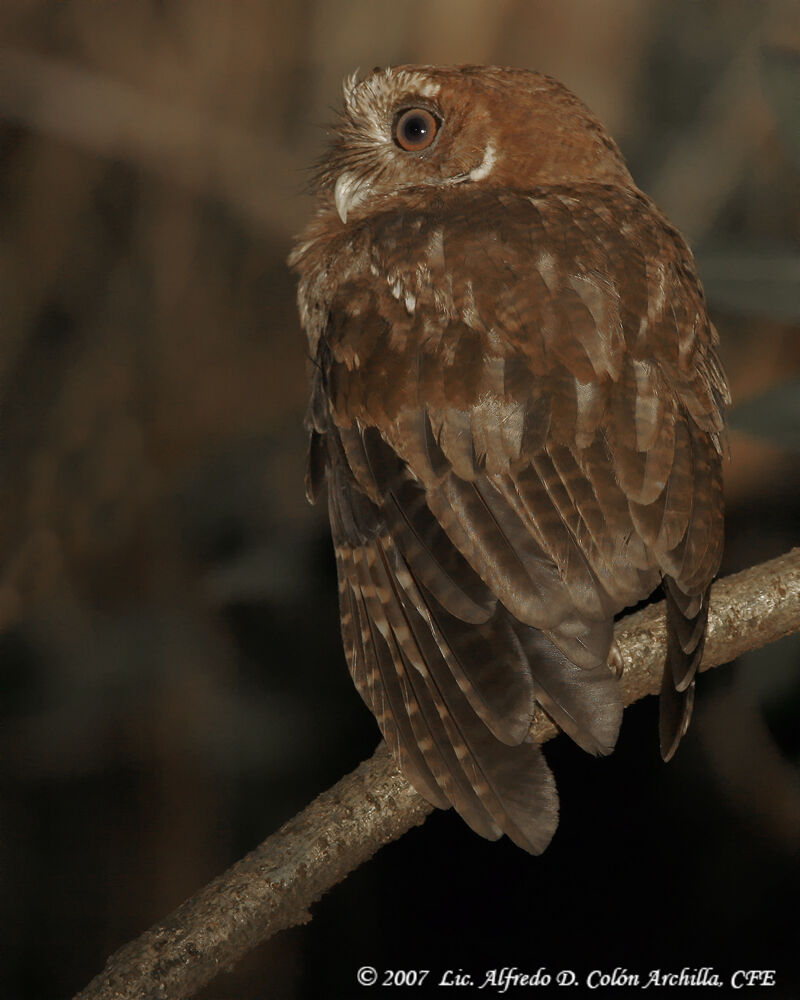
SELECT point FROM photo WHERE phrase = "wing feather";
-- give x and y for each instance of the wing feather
(525, 438)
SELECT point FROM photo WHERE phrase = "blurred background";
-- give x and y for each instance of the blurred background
(172, 686)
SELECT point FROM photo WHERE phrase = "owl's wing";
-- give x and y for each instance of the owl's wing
(520, 407)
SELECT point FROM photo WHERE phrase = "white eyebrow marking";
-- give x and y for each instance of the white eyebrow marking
(484, 168)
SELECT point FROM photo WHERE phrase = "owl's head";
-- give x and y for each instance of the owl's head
(412, 127)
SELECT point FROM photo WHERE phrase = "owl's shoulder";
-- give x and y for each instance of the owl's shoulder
(551, 266)
(402, 222)
(569, 220)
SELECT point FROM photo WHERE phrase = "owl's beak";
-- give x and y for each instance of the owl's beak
(348, 192)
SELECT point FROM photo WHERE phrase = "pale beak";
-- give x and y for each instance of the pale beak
(348, 193)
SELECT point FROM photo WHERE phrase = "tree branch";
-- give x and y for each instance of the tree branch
(273, 887)
(116, 120)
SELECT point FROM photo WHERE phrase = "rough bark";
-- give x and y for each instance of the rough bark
(273, 887)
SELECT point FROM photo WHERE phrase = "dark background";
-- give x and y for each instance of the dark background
(172, 686)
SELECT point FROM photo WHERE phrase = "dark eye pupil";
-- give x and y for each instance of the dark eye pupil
(415, 128)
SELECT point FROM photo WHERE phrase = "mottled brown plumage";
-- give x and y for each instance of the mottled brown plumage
(518, 406)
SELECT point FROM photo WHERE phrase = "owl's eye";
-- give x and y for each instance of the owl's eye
(415, 129)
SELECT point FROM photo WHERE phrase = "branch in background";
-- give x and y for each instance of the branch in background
(116, 120)
(703, 166)
(273, 887)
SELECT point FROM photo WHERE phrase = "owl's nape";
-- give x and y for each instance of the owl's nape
(518, 409)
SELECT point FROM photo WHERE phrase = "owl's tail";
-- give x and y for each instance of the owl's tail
(687, 617)
(455, 698)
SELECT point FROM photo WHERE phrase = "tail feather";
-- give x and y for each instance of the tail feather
(687, 616)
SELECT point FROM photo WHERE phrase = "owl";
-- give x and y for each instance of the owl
(518, 408)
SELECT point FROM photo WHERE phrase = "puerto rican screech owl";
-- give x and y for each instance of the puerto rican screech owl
(518, 408)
